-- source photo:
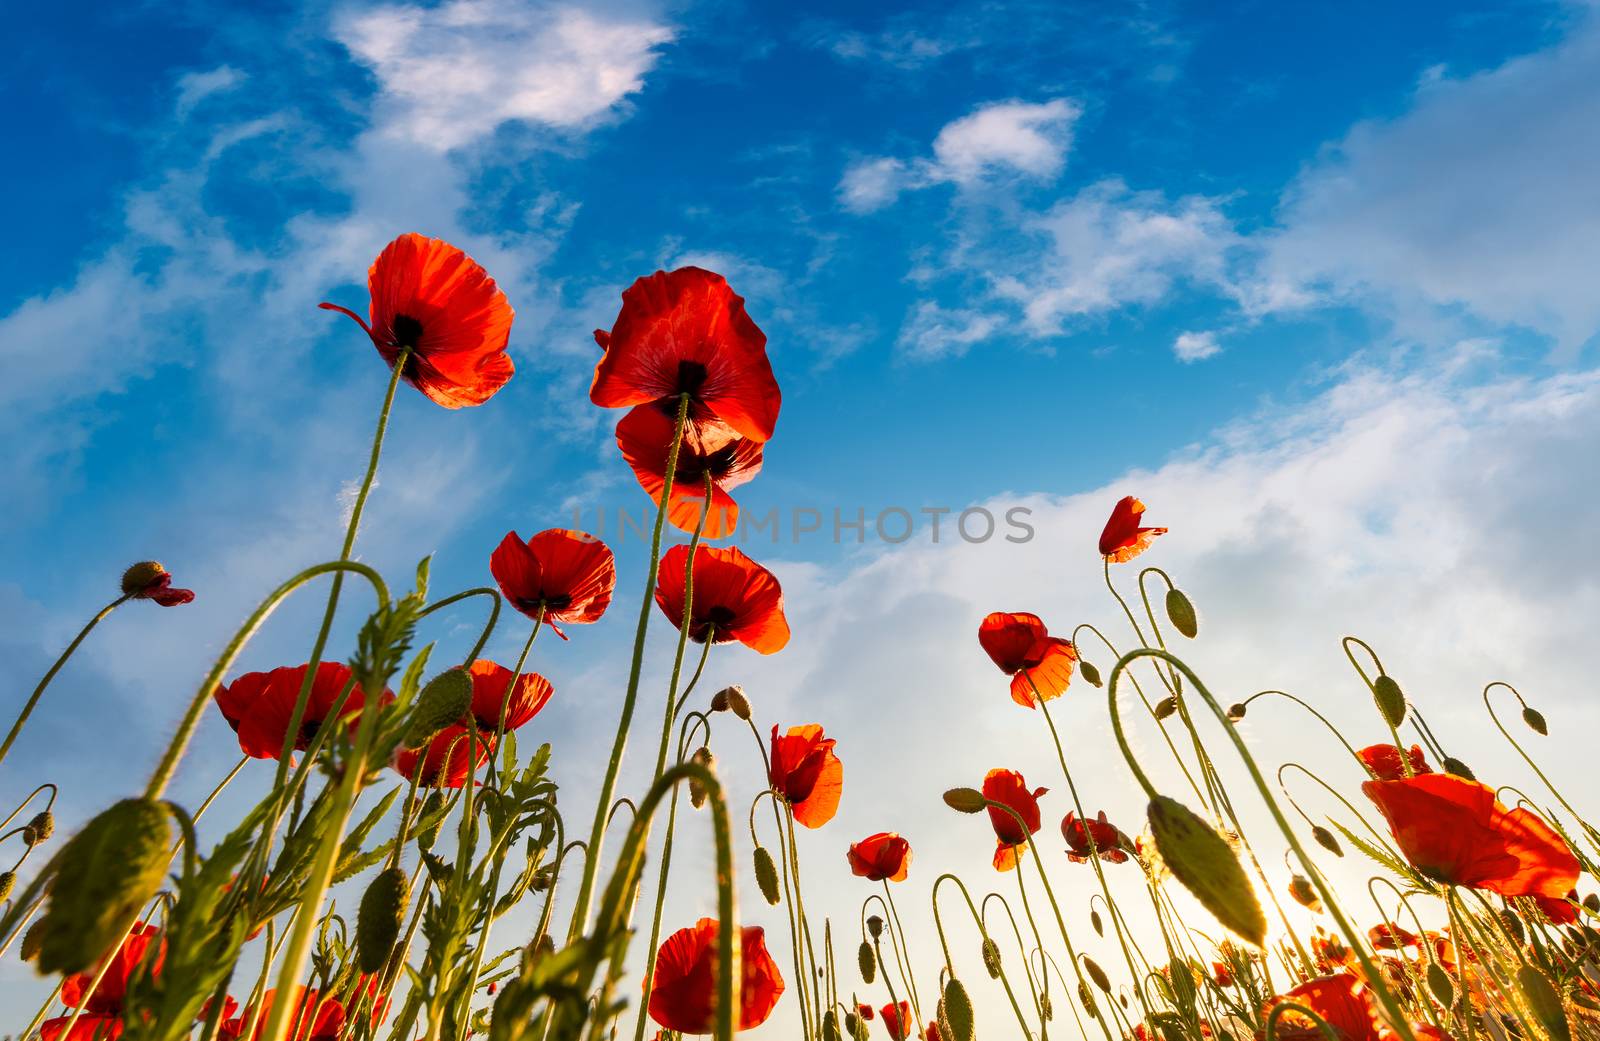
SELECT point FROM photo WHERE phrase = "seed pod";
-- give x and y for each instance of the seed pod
(136, 578)
(867, 962)
(874, 926)
(1545, 1002)
(1439, 982)
(991, 958)
(697, 791)
(1512, 924)
(40, 828)
(766, 875)
(1592, 902)
(1097, 974)
(1391, 702)
(106, 873)
(430, 807)
(1326, 840)
(1535, 721)
(1166, 707)
(858, 1027)
(8, 882)
(1236, 711)
(964, 800)
(1304, 895)
(445, 700)
(1203, 861)
(1094, 920)
(1181, 613)
(1455, 766)
(955, 1011)
(1087, 670)
(378, 921)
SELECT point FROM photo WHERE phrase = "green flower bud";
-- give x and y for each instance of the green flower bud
(40, 828)
(1097, 974)
(445, 700)
(1456, 767)
(731, 699)
(1087, 670)
(1439, 982)
(8, 882)
(378, 920)
(767, 876)
(1535, 721)
(136, 578)
(1206, 865)
(955, 1011)
(430, 807)
(32, 940)
(1326, 840)
(867, 962)
(1181, 613)
(105, 875)
(1099, 926)
(991, 958)
(874, 926)
(1391, 702)
(830, 1026)
(1236, 711)
(1545, 1001)
(1166, 707)
(697, 791)
(965, 800)
(858, 1028)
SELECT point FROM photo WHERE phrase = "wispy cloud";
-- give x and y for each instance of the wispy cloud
(1192, 346)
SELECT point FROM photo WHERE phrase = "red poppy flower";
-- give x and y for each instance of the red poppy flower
(685, 332)
(881, 857)
(490, 684)
(260, 705)
(431, 297)
(1342, 1001)
(897, 1019)
(1455, 831)
(683, 992)
(1040, 665)
(148, 580)
(568, 575)
(865, 1011)
(1384, 761)
(1107, 839)
(445, 762)
(313, 1019)
(1008, 788)
(1386, 937)
(1123, 539)
(103, 1008)
(734, 597)
(1222, 975)
(1563, 911)
(932, 1032)
(807, 773)
(714, 449)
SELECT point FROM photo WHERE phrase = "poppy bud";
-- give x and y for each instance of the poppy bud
(1046, 1008)
(1439, 982)
(1206, 865)
(1304, 895)
(1099, 926)
(1592, 902)
(867, 962)
(106, 873)
(991, 958)
(1166, 707)
(1097, 974)
(537, 952)
(830, 1022)
(1326, 840)
(542, 880)
(1181, 613)
(1391, 702)
(8, 882)
(858, 1027)
(697, 791)
(445, 700)
(40, 828)
(874, 926)
(1535, 721)
(1087, 1000)
(1545, 1001)
(379, 918)
(32, 940)
(731, 699)
(1512, 924)
(1087, 670)
(1455, 766)
(137, 578)
(955, 1011)
(767, 875)
(430, 807)
(965, 800)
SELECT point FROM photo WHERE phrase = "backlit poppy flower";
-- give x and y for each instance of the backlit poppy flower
(881, 857)
(260, 705)
(1455, 831)
(1123, 539)
(430, 297)
(1384, 761)
(1222, 975)
(314, 1018)
(1008, 788)
(490, 684)
(932, 1032)
(1563, 911)
(148, 580)
(1341, 1000)
(445, 761)
(807, 773)
(568, 575)
(1386, 937)
(684, 990)
(866, 1011)
(1040, 665)
(1108, 841)
(734, 598)
(708, 449)
(141, 952)
(685, 332)
(897, 1019)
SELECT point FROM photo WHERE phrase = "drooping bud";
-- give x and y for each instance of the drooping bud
(430, 810)
(1087, 670)
(1300, 888)
(1181, 613)
(1097, 974)
(955, 1011)
(8, 882)
(858, 1028)
(445, 700)
(830, 1025)
(1236, 711)
(1545, 1001)
(1094, 920)
(380, 917)
(1166, 707)
(1391, 701)
(874, 926)
(867, 962)
(731, 699)
(1206, 865)
(1592, 902)
(991, 958)
(137, 578)
(766, 875)
(1326, 840)
(1535, 720)
(1454, 766)
(1440, 983)
(1512, 924)
(40, 828)
(106, 873)
(32, 940)
(697, 791)
(965, 800)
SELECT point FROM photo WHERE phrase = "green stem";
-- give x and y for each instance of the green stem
(38, 692)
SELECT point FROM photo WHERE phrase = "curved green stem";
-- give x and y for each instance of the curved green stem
(38, 691)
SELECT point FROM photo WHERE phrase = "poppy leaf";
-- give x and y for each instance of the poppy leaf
(1204, 862)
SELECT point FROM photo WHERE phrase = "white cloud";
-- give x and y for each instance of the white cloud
(932, 332)
(195, 87)
(998, 139)
(451, 74)
(1480, 196)
(1192, 347)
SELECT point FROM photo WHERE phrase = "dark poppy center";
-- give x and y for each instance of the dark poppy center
(691, 377)
(308, 733)
(407, 331)
(721, 617)
(549, 603)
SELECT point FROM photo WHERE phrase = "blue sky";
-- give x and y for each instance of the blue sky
(1320, 285)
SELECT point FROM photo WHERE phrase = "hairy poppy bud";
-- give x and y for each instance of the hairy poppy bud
(32, 940)
(1455, 766)
(697, 791)
(1545, 1001)
(8, 882)
(430, 808)
(378, 920)
(858, 1027)
(1206, 865)
(1326, 840)
(1592, 902)
(965, 800)
(1181, 613)
(1304, 895)
(955, 1011)
(1097, 974)
(991, 958)
(767, 875)
(1094, 920)
(137, 578)
(106, 873)
(1046, 1008)
(731, 699)
(874, 926)
(1439, 982)
(1390, 700)
(1236, 711)
(867, 962)
(1086, 998)
(1087, 670)
(1166, 707)
(445, 700)
(1535, 721)
(40, 828)
(830, 1026)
